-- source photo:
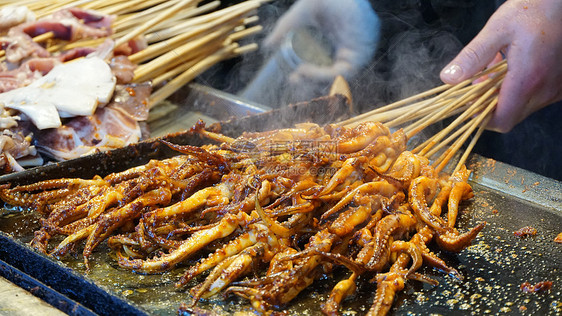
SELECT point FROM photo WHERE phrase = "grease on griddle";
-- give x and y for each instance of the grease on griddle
(558, 238)
(525, 232)
(540, 287)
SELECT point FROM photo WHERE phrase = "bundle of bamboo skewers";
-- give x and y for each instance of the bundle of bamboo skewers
(473, 100)
(184, 39)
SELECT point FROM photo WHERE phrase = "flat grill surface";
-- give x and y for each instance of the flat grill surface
(494, 267)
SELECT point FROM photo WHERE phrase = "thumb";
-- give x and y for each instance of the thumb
(473, 58)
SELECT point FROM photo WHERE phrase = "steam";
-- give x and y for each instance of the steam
(408, 59)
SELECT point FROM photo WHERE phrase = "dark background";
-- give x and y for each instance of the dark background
(418, 38)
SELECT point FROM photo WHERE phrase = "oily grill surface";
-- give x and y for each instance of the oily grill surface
(493, 267)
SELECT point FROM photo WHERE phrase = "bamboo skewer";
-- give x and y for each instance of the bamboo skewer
(131, 6)
(430, 151)
(98, 41)
(167, 45)
(236, 36)
(51, 35)
(55, 6)
(233, 11)
(472, 101)
(169, 9)
(180, 69)
(154, 67)
(366, 116)
(191, 73)
(185, 39)
(440, 92)
(472, 143)
(123, 18)
(446, 158)
(125, 23)
(121, 6)
(81, 43)
(157, 19)
(443, 113)
(471, 110)
(77, 3)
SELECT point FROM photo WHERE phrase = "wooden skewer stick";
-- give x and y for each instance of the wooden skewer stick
(53, 7)
(245, 49)
(39, 6)
(26, 3)
(181, 68)
(472, 143)
(98, 4)
(415, 111)
(179, 17)
(134, 19)
(245, 32)
(139, 7)
(446, 111)
(77, 3)
(365, 116)
(43, 37)
(424, 148)
(474, 101)
(436, 142)
(226, 14)
(157, 19)
(477, 121)
(472, 94)
(120, 7)
(142, 14)
(156, 49)
(174, 72)
(148, 70)
(173, 28)
(81, 43)
(442, 161)
(443, 91)
(190, 74)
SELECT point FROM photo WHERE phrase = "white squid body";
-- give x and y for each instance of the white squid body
(75, 88)
(12, 15)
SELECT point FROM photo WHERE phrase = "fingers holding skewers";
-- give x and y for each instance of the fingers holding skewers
(529, 36)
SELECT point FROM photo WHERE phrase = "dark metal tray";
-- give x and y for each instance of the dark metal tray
(494, 267)
(498, 262)
(109, 290)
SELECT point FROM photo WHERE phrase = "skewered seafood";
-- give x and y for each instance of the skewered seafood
(298, 201)
(57, 109)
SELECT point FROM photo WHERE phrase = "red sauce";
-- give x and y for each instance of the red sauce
(131, 91)
(537, 288)
(525, 231)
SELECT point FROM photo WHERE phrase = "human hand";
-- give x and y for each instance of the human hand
(351, 25)
(529, 34)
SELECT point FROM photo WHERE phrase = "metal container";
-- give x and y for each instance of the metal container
(271, 85)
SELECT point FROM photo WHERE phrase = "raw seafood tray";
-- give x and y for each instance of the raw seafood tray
(494, 267)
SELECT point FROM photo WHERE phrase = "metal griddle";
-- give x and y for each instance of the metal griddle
(494, 267)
